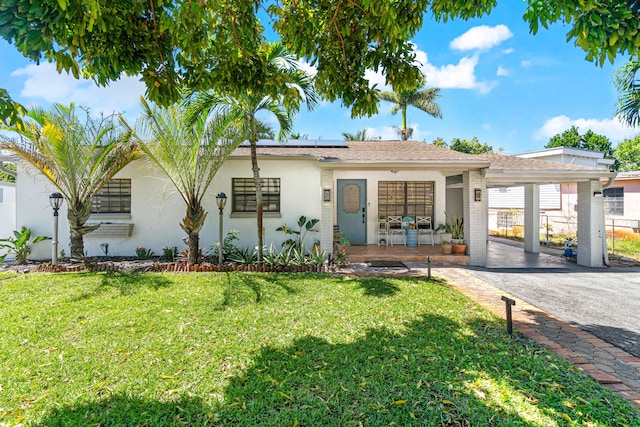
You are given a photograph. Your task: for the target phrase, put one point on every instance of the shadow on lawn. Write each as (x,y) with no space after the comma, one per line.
(254,288)
(122,410)
(245,288)
(431,372)
(435,373)
(126,283)
(378,287)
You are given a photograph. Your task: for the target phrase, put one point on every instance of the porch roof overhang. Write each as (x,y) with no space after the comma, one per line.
(441,165)
(511,177)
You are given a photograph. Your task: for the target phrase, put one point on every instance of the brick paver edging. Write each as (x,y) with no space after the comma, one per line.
(612,367)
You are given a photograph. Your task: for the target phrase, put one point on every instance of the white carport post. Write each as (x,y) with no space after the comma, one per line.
(590,223)
(532,218)
(476,221)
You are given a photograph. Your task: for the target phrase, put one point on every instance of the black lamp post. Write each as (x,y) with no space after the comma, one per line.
(221,200)
(55,200)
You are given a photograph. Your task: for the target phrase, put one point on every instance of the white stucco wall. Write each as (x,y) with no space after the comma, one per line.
(7,210)
(156,209)
(374,176)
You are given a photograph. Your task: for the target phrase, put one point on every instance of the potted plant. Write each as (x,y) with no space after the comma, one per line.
(447,247)
(457,234)
(444,231)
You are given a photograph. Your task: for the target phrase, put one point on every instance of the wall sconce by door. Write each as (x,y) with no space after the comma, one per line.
(478,195)
(326,195)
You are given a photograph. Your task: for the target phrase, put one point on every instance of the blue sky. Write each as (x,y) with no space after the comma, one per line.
(499,83)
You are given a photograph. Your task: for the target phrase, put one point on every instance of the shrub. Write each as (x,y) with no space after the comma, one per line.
(20,244)
(169,253)
(230,246)
(143,253)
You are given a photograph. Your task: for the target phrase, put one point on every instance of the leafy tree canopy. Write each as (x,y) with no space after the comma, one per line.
(628,154)
(202,45)
(472,146)
(588,141)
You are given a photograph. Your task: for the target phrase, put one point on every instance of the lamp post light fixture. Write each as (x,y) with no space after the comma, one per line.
(55,200)
(221,200)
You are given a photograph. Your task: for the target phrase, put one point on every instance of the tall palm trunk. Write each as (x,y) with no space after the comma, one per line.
(403,132)
(194,248)
(258,184)
(78,216)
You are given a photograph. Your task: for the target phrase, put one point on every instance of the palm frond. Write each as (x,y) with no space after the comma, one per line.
(627,84)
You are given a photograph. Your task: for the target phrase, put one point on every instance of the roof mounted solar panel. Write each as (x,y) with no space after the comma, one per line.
(302,143)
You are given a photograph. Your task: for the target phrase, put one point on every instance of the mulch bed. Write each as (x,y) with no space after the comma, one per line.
(133,266)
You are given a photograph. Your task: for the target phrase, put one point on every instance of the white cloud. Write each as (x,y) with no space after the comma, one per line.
(508,50)
(525,63)
(611,128)
(449,76)
(377,78)
(44,83)
(457,76)
(503,72)
(481,37)
(486,126)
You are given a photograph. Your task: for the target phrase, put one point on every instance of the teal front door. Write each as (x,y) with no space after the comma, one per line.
(352,212)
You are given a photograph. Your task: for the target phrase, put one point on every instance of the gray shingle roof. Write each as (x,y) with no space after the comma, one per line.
(410,151)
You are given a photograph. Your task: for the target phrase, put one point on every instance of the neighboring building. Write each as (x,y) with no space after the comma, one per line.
(558,202)
(7,203)
(7,209)
(345,185)
(622,201)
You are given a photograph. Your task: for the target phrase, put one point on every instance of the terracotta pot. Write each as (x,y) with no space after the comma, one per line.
(459,248)
(447,248)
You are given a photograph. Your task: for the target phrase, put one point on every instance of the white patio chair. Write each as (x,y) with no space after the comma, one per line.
(425,228)
(395,229)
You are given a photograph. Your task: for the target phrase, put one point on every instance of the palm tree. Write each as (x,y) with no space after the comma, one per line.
(189,153)
(422,99)
(78,158)
(294,87)
(627,84)
(360,135)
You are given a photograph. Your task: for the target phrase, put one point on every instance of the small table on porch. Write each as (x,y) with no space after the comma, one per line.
(412,237)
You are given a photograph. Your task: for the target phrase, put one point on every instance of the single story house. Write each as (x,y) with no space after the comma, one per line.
(347,185)
(7,209)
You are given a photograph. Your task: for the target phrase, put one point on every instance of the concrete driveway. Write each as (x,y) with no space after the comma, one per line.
(605,302)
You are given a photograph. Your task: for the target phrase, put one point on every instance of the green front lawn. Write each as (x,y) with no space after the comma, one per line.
(116,349)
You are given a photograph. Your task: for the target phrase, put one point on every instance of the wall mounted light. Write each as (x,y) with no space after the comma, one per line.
(478,195)
(597,194)
(326,195)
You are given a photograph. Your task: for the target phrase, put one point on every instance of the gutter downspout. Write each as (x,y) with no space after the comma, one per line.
(605,252)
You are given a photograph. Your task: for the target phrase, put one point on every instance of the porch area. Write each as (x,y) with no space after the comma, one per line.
(364,253)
